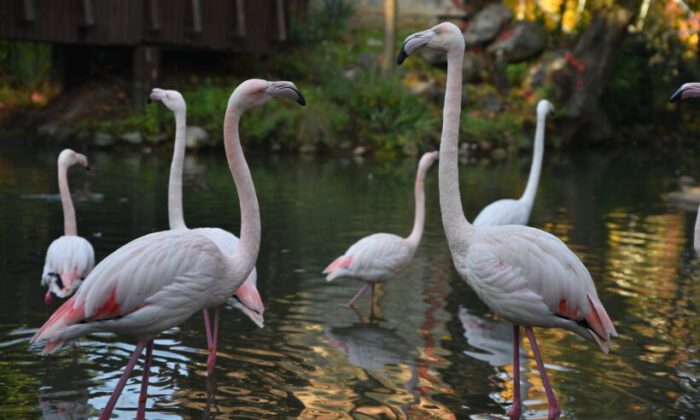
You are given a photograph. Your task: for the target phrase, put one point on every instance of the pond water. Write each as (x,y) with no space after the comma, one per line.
(431,348)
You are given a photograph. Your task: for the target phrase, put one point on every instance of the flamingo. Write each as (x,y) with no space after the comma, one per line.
(157,281)
(247,298)
(525,275)
(690,90)
(378,257)
(517,212)
(70,258)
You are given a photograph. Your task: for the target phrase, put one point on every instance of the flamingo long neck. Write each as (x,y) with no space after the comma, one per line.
(175,214)
(528,196)
(245,255)
(70,228)
(453,219)
(419,219)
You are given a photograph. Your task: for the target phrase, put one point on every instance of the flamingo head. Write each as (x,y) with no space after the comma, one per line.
(688,90)
(69,158)
(255,92)
(170,98)
(544,107)
(445,36)
(247,300)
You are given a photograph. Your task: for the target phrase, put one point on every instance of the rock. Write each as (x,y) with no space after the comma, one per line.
(157,138)
(307,148)
(518,43)
(359,151)
(133,137)
(103,139)
(196,137)
(499,154)
(54,131)
(367,59)
(275,147)
(475,68)
(345,145)
(486,24)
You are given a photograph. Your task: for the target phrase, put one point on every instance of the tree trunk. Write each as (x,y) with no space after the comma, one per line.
(594,55)
(390,18)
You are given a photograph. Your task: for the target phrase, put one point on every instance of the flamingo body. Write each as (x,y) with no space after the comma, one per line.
(530,277)
(374,258)
(69,260)
(503,212)
(153,283)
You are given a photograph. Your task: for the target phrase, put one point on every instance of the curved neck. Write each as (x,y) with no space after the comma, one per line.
(453,219)
(247,252)
(419,219)
(175,214)
(70,228)
(528,196)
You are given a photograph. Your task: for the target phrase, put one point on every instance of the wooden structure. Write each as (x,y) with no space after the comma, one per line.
(240,26)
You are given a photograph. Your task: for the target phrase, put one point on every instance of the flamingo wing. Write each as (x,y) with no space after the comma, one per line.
(530,277)
(372,258)
(503,212)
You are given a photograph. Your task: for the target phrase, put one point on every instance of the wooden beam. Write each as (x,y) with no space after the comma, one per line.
(197,16)
(88,13)
(153,15)
(281,21)
(28,11)
(241,30)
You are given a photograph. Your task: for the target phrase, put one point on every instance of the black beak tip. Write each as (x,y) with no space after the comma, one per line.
(300,100)
(677,96)
(148,100)
(87,168)
(402,56)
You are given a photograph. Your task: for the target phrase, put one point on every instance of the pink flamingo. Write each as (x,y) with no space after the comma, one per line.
(69,258)
(517,212)
(157,281)
(378,257)
(690,90)
(525,275)
(247,296)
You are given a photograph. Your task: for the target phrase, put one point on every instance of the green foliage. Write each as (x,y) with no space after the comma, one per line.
(24,64)
(324,22)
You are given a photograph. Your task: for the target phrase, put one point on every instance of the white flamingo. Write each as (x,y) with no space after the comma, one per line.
(690,90)
(378,257)
(517,212)
(525,275)
(69,258)
(157,281)
(247,297)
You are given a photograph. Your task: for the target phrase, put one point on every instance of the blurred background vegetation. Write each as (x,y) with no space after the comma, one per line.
(334,56)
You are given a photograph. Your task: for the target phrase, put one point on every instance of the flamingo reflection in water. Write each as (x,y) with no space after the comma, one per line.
(371,347)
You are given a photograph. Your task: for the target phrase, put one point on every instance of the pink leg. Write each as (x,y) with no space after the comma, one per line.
(207,327)
(358,294)
(141,413)
(554,410)
(107,412)
(515,409)
(211,360)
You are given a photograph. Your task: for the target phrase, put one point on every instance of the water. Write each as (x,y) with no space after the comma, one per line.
(432,350)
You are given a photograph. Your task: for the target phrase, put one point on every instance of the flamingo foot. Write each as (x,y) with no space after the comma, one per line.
(515,411)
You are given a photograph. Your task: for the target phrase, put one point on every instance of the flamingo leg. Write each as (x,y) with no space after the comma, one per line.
(211,360)
(207,327)
(554,410)
(141,413)
(515,409)
(358,294)
(107,412)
